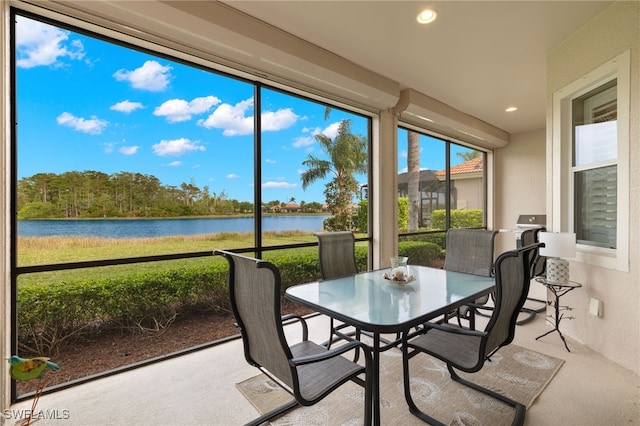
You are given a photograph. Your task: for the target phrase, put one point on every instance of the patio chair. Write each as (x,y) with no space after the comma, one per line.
(538,265)
(336,254)
(470,251)
(306,370)
(337,258)
(467,350)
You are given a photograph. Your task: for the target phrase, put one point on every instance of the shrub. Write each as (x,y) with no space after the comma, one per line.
(437,238)
(362,215)
(403,214)
(472,218)
(50,315)
(420,253)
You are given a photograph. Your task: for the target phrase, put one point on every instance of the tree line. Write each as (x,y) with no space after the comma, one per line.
(93,194)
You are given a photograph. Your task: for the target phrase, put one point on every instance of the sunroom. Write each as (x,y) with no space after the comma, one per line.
(239,57)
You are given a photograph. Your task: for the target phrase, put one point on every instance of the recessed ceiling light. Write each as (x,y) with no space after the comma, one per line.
(427,16)
(511,109)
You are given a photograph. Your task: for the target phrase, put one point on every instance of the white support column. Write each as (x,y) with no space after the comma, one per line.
(384,194)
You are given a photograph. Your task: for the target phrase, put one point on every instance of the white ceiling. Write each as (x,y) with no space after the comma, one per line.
(478,56)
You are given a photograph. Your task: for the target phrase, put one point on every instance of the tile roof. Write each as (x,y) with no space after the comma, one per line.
(471,166)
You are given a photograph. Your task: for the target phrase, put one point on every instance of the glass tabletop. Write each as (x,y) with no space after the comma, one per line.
(373,303)
(568,284)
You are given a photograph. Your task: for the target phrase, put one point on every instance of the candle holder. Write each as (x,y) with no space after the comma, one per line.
(399,270)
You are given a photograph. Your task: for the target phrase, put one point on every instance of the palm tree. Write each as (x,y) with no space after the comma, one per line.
(413,184)
(347,156)
(469,155)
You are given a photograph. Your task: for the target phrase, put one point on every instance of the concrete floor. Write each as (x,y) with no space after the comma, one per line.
(199,389)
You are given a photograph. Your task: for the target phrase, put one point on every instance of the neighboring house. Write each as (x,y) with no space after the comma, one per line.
(467,179)
(467,188)
(432,194)
(291,208)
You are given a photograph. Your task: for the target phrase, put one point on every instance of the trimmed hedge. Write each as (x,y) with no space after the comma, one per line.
(51,315)
(436,238)
(420,253)
(471,218)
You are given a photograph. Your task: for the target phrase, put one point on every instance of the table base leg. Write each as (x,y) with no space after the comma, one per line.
(561,336)
(376,379)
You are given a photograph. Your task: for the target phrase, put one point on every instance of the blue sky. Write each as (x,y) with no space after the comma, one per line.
(85,104)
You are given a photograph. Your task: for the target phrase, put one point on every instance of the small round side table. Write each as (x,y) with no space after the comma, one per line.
(558,290)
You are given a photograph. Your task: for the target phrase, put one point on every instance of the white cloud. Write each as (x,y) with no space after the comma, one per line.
(126,106)
(232,176)
(150,76)
(279,185)
(270,161)
(39,44)
(238,119)
(307,141)
(175,164)
(93,125)
(203,104)
(176,110)
(303,141)
(231,118)
(331,131)
(176,147)
(129,150)
(278,120)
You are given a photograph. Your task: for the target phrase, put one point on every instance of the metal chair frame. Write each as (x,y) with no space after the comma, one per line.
(470,251)
(306,370)
(336,258)
(466,349)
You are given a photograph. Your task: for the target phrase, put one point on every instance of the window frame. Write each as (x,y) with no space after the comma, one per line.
(448,142)
(582,167)
(145,44)
(109,35)
(562,182)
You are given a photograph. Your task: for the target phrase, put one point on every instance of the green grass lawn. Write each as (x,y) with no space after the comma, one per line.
(54,250)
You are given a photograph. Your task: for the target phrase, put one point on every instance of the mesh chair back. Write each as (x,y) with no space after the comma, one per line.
(254,289)
(470,251)
(538,263)
(512,286)
(336,254)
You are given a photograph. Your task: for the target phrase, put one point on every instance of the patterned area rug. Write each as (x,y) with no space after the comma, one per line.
(519,373)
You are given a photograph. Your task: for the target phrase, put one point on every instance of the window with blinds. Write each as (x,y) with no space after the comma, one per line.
(594,167)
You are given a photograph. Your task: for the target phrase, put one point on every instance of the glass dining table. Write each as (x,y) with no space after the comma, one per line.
(378,306)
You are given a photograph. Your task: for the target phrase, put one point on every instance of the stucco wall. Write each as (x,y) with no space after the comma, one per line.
(519,170)
(470,193)
(617,334)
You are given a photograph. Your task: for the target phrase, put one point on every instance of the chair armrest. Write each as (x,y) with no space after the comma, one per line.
(290,318)
(455,330)
(310,359)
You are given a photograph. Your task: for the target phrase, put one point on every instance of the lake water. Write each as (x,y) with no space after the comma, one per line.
(137,228)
